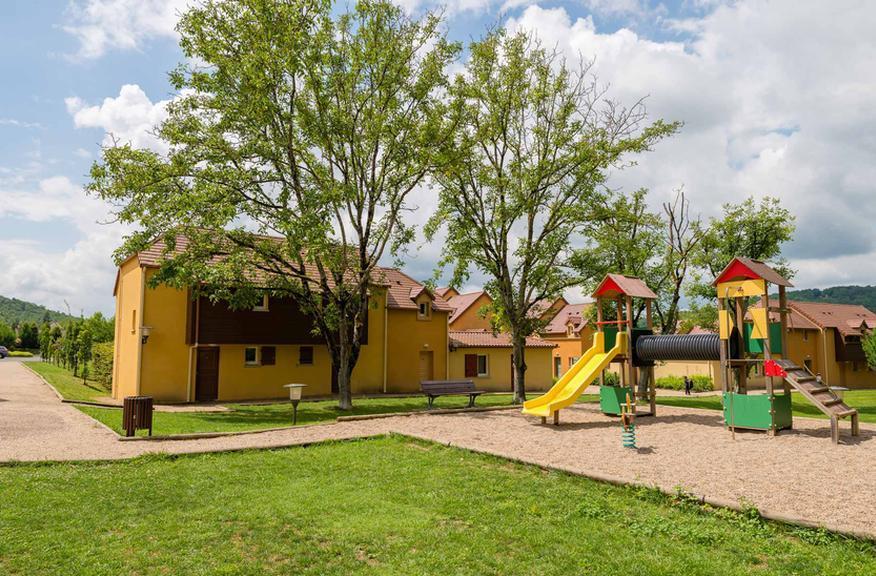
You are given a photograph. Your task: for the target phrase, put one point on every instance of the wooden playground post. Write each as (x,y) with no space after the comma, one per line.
(783,319)
(743,368)
(599,329)
(632,369)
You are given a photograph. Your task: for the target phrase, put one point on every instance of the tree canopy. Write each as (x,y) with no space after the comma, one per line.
(535,142)
(295,140)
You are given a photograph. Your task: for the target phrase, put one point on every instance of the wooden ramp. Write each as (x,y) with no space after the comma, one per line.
(821,396)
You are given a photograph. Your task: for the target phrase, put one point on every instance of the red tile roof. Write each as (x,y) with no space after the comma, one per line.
(570,313)
(462,302)
(700,330)
(487,339)
(848,319)
(401,293)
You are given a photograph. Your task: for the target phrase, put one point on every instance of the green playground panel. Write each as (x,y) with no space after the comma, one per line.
(758,411)
(611,398)
(755,346)
(610,336)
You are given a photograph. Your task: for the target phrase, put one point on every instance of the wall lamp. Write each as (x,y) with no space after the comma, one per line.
(145,332)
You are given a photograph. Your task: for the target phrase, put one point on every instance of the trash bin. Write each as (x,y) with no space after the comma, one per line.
(137,414)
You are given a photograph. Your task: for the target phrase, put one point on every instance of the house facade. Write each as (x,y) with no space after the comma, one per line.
(177,349)
(826,339)
(572,333)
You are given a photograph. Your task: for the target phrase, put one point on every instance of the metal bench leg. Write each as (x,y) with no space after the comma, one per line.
(431,399)
(471,400)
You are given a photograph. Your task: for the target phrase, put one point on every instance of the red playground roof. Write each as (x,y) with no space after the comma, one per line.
(614,285)
(747,269)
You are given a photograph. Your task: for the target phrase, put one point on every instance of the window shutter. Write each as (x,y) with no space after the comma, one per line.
(269,355)
(471,365)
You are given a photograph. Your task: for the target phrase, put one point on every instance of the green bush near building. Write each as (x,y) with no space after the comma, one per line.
(701,383)
(102,364)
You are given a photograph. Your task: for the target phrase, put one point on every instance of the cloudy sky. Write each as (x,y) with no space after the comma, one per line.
(776,98)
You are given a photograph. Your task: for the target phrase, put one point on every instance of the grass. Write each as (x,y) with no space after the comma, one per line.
(863,400)
(242,417)
(380,506)
(69,386)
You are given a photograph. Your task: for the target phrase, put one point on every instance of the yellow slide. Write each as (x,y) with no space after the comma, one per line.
(573,383)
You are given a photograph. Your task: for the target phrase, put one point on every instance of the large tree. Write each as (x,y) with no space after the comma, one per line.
(627,237)
(536,140)
(756,230)
(308,128)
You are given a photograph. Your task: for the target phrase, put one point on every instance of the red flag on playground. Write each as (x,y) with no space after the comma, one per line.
(772,368)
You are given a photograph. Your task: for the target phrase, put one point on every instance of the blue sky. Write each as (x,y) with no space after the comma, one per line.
(774,102)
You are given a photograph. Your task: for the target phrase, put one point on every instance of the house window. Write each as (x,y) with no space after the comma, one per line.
(134,322)
(483,366)
(269,355)
(424,311)
(558,365)
(569,330)
(305,355)
(251,357)
(572,360)
(263,307)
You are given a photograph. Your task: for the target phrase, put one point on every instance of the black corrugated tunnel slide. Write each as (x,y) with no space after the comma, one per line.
(682,347)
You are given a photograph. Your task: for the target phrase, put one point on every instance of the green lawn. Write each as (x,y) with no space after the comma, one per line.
(69,386)
(381,506)
(863,400)
(243,417)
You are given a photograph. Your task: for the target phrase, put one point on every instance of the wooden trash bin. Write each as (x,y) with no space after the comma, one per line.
(137,414)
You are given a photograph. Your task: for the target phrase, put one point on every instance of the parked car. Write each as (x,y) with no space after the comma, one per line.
(4,352)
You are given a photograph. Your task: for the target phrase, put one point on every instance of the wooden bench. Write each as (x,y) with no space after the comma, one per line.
(435,388)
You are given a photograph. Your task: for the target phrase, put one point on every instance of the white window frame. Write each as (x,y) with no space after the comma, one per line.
(254,362)
(486,371)
(264,306)
(428,310)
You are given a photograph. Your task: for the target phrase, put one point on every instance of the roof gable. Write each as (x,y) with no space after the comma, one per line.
(462,302)
(614,285)
(748,269)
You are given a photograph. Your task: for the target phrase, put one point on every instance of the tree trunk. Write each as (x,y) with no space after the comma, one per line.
(343,367)
(518,357)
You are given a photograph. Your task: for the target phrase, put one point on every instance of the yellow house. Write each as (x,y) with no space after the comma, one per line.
(572,333)
(467,309)
(485,357)
(178,349)
(826,339)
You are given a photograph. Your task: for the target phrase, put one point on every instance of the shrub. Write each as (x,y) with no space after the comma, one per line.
(20,354)
(102,364)
(701,383)
(612,378)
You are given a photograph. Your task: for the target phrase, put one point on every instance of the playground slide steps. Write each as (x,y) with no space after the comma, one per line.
(821,396)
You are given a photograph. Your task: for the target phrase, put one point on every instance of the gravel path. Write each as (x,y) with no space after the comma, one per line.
(798,473)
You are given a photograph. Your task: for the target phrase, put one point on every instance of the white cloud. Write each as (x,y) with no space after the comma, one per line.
(81,274)
(102,25)
(19,123)
(774,102)
(131,117)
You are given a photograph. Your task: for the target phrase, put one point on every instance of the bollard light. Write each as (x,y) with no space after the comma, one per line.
(295,391)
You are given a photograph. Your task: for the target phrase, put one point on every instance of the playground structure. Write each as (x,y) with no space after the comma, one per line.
(756,343)
(740,345)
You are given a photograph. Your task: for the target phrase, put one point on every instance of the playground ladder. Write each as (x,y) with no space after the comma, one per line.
(821,396)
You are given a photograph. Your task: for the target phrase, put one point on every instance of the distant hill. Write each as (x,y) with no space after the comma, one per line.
(13,309)
(863,295)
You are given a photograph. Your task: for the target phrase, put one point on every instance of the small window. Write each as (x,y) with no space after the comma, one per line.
(263,307)
(483,367)
(134,322)
(250,357)
(558,365)
(806,335)
(305,355)
(424,311)
(269,355)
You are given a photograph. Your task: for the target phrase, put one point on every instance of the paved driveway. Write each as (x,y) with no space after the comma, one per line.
(35,425)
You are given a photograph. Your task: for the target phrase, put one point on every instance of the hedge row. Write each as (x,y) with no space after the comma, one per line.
(701,383)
